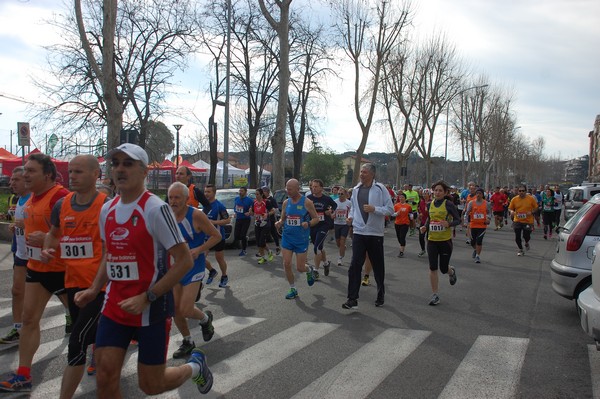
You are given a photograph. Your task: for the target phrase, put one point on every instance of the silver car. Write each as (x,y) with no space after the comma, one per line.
(227,197)
(589,301)
(577,196)
(571,267)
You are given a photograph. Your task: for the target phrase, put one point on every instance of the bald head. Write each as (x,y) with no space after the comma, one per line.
(87,160)
(292,187)
(84,170)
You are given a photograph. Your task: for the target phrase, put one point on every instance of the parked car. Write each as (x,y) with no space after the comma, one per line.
(227,197)
(589,301)
(281,195)
(571,267)
(577,196)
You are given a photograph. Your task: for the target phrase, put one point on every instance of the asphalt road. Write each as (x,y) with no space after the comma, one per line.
(500,332)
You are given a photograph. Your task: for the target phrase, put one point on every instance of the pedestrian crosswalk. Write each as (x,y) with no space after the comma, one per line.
(490,368)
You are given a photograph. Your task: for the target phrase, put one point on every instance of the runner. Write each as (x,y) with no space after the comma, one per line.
(219,217)
(548,212)
(442,216)
(140,233)
(43,279)
(466,197)
(559,202)
(298,214)
(521,209)
(536,214)
(498,200)
(19,250)
(272,218)
(478,217)
(200,235)
(403,217)
(423,216)
(261,226)
(74,230)
(412,199)
(196,195)
(325,208)
(241,208)
(341,227)
(371,203)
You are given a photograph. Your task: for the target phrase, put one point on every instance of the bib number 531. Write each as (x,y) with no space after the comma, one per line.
(123,271)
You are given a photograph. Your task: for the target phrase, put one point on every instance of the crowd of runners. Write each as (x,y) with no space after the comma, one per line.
(127,263)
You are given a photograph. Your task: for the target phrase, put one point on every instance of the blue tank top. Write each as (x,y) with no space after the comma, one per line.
(191,236)
(296,214)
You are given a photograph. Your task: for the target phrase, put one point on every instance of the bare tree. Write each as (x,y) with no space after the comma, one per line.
(310,65)
(368,36)
(282,28)
(149,41)
(254,74)
(106,73)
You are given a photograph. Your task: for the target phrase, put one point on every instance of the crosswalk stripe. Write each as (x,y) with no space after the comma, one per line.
(594,356)
(51,304)
(491,369)
(223,327)
(375,360)
(234,371)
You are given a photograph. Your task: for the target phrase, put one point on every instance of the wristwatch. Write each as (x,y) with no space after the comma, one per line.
(151,296)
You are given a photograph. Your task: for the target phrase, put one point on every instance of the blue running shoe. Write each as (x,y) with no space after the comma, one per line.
(310,278)
(204,380)
(16,383)
(242,253)
(211,276)
(224,282)
(292,293)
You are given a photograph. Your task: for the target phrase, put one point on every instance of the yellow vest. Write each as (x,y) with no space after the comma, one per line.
(437,232)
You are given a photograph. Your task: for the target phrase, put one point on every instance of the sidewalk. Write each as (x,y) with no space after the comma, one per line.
(6,258)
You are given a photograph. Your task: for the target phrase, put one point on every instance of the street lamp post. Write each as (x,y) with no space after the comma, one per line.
(177,127)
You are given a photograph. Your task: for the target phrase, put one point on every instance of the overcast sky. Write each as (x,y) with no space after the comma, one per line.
(546,52)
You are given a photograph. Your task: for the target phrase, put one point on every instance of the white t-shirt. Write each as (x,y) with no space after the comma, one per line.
(341,212)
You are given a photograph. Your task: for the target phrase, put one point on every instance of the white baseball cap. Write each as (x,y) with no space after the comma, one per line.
(135,152)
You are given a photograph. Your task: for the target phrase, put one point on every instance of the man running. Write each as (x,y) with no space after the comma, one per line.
(325,208)
(200,235)
(75,231)
(498,201)
(522,208)
(140,233)
(43,279)
(242,205)
(19,250)
(412,199)
(219,217)
(272,218)
(477,217)
(195,195)
(371,203)
(298,214)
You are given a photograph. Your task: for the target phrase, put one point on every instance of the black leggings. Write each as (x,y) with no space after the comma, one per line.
(241,231)
(401,230)
(526,229)
(261,235)
(85,322)
(273,231)
(439,253)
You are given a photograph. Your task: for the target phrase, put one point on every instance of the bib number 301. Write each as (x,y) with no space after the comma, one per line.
(123,271)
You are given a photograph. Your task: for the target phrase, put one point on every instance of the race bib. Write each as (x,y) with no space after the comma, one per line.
(436,226)
(239,209)
(293,221)
(547,207)
(340,215)
(19,231)
(34,253)
(321,216)
(79,250)
(122,271)
(478,216)
(521,215)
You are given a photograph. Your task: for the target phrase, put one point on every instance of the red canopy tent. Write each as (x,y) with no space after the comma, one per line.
(62,167)
(4,154)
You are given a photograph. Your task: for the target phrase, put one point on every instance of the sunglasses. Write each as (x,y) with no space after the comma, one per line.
(521,191)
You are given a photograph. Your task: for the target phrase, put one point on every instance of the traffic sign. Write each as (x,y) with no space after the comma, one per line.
(24,133)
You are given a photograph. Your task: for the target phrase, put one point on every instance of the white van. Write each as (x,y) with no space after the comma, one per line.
(579,195)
